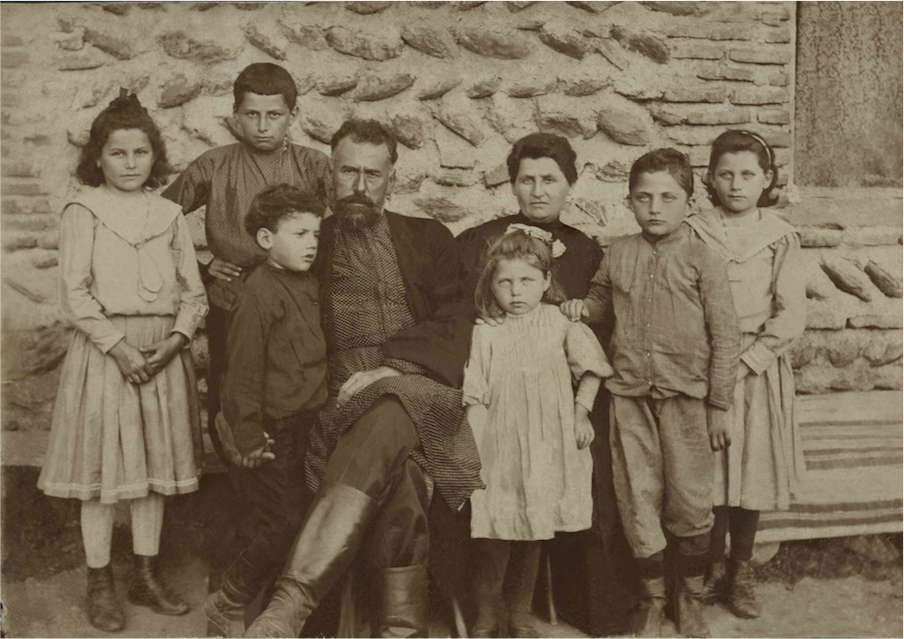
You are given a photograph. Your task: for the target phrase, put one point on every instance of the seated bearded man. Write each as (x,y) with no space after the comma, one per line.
(396,349)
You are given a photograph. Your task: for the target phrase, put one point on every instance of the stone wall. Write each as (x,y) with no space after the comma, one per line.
(457,82)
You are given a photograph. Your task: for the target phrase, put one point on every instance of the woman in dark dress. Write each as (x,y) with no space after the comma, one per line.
(592,582)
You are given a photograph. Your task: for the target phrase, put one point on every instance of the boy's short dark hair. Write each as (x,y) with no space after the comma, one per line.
(264,78)
(543,145)
(369,131)
(672,161)
(274,203)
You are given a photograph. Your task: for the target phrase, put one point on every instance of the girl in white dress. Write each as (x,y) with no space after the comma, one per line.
(532,429)
(125,424)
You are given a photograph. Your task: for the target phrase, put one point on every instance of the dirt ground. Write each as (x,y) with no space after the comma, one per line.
(847,587)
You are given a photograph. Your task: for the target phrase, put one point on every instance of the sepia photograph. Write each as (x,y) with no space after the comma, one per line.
(451,319)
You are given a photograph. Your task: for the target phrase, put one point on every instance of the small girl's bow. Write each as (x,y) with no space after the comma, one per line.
(539,234)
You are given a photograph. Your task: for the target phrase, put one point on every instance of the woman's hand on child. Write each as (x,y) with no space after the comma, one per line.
(361,380)
(258,456)
(223,270)
(160,353)
(717,424)
(499,320)
(575,310)
(583,429)
(132,364)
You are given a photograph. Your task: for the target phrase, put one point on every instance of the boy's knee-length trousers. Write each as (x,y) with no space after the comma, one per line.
(662,468)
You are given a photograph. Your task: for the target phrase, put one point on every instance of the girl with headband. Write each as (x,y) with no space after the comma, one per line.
(758,469)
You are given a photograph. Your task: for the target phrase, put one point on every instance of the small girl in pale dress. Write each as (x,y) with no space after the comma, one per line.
(759,469)
(125,424)
(532,429)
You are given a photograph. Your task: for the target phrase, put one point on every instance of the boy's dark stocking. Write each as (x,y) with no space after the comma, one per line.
(520,580)
(652,596)
(492,556)
(741,580)
(689,592)
(715,572)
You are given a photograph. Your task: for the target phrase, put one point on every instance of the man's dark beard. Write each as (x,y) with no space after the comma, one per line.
(356,212)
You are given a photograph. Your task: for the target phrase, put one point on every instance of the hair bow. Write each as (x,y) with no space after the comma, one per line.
(556,246)
(126,100)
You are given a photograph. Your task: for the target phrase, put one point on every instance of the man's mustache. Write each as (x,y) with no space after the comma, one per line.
(355,198)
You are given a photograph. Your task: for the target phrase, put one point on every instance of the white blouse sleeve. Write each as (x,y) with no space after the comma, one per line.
(77,304)
(193,299)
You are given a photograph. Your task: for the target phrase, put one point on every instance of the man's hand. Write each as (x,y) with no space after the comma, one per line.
(362,380)
(132,364)
(717,424)
(743,371)
(583,429)
(575,310)
(257,457)
(160,353)
(223,270)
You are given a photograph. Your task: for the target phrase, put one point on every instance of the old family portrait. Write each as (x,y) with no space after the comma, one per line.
(476,319)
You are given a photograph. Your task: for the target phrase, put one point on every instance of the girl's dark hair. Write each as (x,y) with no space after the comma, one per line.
(516,245)
(673,162)
(124,112)
(264,78)
(735,141)
(366,131)
(276,202)
(543,145)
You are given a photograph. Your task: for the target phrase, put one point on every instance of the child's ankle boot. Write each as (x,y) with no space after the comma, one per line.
(742,589)
(714,584)
(104,610)
(652,597)
(688,599)
(147,591)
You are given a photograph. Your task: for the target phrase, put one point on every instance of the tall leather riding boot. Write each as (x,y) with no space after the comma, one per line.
(652,596)
(325,548)
(492,556)
(104,610)
(689,595)
(403,602)
(520,581)
(147,591)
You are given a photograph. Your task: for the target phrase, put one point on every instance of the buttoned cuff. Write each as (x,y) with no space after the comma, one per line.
(757,357)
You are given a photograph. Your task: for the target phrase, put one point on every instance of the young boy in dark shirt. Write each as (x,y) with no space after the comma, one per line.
(275,381)
(224,180)
(675,353)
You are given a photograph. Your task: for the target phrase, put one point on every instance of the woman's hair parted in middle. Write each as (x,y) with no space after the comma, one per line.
(123,113)
(516,245)
(673,162)
(543,145)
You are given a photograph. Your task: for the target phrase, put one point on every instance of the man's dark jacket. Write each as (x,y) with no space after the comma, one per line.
(429,262)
